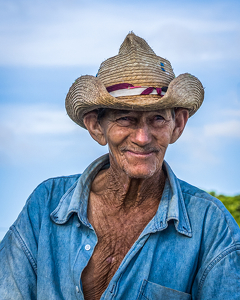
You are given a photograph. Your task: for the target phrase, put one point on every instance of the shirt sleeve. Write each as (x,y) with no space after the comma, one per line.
(18,250)
(221,279)
(17,274)
(218,265)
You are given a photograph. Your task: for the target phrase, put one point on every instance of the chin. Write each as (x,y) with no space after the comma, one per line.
(141,173)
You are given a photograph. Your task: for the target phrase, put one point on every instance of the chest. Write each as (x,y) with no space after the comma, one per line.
(117,230)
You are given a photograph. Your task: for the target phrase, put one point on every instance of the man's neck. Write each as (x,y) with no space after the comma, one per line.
(117,189)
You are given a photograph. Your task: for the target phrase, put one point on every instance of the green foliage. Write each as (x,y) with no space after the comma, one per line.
(232,204)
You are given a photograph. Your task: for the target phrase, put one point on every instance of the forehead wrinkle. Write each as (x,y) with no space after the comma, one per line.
(122,111)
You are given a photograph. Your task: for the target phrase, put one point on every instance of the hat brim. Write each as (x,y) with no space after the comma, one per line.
(88,93)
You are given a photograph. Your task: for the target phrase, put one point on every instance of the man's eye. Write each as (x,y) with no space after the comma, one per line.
(125,121)
(158,121)
(159,118)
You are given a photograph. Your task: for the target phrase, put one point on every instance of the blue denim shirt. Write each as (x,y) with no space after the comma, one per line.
(189,250)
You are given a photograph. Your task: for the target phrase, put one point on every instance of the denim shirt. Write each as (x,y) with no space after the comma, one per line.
(189,250)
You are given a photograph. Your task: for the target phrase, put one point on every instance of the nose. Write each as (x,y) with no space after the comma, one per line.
(142,135)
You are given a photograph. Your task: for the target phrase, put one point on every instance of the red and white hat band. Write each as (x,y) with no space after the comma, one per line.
(127,89)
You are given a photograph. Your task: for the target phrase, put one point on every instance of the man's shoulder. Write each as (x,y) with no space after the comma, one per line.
(51,191)
(200,198)
(191,190)
(210,210)
(44,199)
(63,182)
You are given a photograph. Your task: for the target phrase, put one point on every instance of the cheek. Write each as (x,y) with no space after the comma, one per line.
(166,138)
(163,138)
(116,136)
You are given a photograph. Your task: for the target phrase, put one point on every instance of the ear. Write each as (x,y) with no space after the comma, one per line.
(90,120)
(181,118)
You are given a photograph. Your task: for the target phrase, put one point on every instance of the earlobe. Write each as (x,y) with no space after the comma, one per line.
(94,128)
(181,118)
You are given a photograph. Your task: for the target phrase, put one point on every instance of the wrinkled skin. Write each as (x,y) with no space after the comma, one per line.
(125,197)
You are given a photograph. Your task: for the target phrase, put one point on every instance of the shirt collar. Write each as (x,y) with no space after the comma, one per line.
(75,200)
(171,207)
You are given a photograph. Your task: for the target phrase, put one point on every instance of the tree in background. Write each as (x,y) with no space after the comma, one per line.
(231,203)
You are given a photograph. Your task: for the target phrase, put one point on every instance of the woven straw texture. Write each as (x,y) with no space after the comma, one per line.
(136,64)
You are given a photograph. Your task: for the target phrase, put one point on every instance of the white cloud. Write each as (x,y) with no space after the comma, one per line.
(87,33)
(227,129)
(35,120)
(40,134)
(197,147)
(29,130)
(229,113)
(206,144)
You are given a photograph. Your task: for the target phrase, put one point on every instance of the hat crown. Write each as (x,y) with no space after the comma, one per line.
(133,42)
(137,64)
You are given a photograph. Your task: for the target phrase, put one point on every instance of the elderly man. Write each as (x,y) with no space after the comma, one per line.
(127,228)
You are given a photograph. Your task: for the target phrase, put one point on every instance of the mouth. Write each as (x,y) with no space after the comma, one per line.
(140,154)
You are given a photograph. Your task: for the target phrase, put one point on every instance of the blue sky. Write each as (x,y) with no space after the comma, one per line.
(46,45)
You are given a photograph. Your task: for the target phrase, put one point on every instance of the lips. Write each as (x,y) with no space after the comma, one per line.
(140,154)
(139,150)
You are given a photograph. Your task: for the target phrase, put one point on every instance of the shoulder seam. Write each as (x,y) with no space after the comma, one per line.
(25,249)
(219,208)
(214,262)
(2,246)
(60,177)
(43,183)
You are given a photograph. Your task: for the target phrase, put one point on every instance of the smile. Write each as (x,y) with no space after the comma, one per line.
(140,154)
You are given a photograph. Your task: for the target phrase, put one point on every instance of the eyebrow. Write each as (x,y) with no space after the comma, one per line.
(121,112)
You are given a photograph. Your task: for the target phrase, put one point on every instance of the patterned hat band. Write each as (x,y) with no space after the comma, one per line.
(127,89)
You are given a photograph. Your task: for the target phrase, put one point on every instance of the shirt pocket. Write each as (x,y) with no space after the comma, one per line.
(153,291)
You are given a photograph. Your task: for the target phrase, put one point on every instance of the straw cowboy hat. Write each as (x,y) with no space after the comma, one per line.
(135,79)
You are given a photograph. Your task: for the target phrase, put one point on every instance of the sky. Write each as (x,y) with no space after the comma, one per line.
(46,45)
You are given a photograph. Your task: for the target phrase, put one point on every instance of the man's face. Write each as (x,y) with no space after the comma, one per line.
(138,140)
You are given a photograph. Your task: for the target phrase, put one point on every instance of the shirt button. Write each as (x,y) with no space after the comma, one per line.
(87,247)
(77,289)
(78,224)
